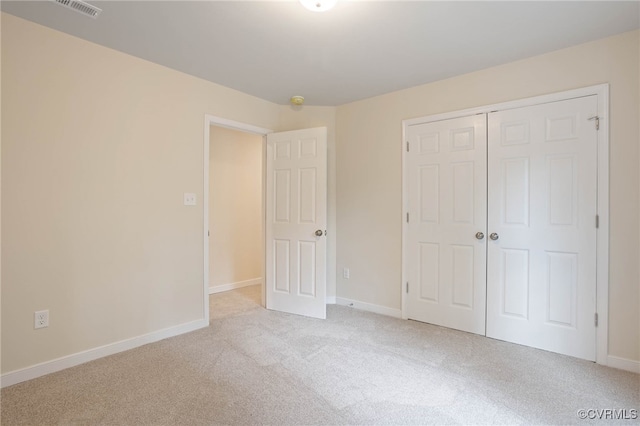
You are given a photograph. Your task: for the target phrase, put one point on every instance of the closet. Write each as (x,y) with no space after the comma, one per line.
(501,223)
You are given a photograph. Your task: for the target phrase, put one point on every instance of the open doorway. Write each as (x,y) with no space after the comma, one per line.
(233,194)
(236,225)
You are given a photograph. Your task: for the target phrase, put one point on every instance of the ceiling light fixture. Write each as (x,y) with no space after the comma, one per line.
(318,5)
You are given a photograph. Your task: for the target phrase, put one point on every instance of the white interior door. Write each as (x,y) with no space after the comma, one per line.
(445,260)
(542,177)
(296,222)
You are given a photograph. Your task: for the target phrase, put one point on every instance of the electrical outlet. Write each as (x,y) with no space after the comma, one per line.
(189,199)
(41,319)
(346,273)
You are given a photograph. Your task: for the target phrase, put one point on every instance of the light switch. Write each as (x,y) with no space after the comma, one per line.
(189,199)
(346,274)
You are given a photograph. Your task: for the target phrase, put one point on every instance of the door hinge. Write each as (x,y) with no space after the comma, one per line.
(597,221)
(208,233)
(407,217)
(595,319)
(407,287)
(597,120)
(407,146)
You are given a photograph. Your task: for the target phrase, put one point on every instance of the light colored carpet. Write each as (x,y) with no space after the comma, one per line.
(254,366)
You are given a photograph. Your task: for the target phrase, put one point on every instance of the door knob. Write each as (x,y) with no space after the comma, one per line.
(318,233)
(479,235)
(494,236)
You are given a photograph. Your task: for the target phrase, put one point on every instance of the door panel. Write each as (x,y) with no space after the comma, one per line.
(428,272)
(295,209)
(515,191)
(446,264)
(514,283)
(542,180)
(463,278)
(281,256)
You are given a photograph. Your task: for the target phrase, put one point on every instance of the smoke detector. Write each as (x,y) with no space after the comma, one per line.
(297,100)
(80,7)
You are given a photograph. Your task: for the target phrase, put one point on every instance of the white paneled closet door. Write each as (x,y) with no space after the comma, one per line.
(445,246)
(542,189)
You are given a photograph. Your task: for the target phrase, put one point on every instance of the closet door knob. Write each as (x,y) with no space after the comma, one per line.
(494,236)
(479,235)
(318,233)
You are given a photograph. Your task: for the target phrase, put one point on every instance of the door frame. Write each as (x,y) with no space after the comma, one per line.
(212,120)
(602,233)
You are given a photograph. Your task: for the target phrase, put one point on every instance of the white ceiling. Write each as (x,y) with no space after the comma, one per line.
(276,49)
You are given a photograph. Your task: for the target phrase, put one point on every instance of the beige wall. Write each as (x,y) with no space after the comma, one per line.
(98,149)
(369,172)
(235,206)
(0,190)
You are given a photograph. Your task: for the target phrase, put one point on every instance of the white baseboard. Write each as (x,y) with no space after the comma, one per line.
(330,300)
(623,364)
(232,286)
(48,367)
(382,310)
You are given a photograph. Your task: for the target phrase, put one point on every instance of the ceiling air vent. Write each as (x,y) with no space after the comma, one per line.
(80,7)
